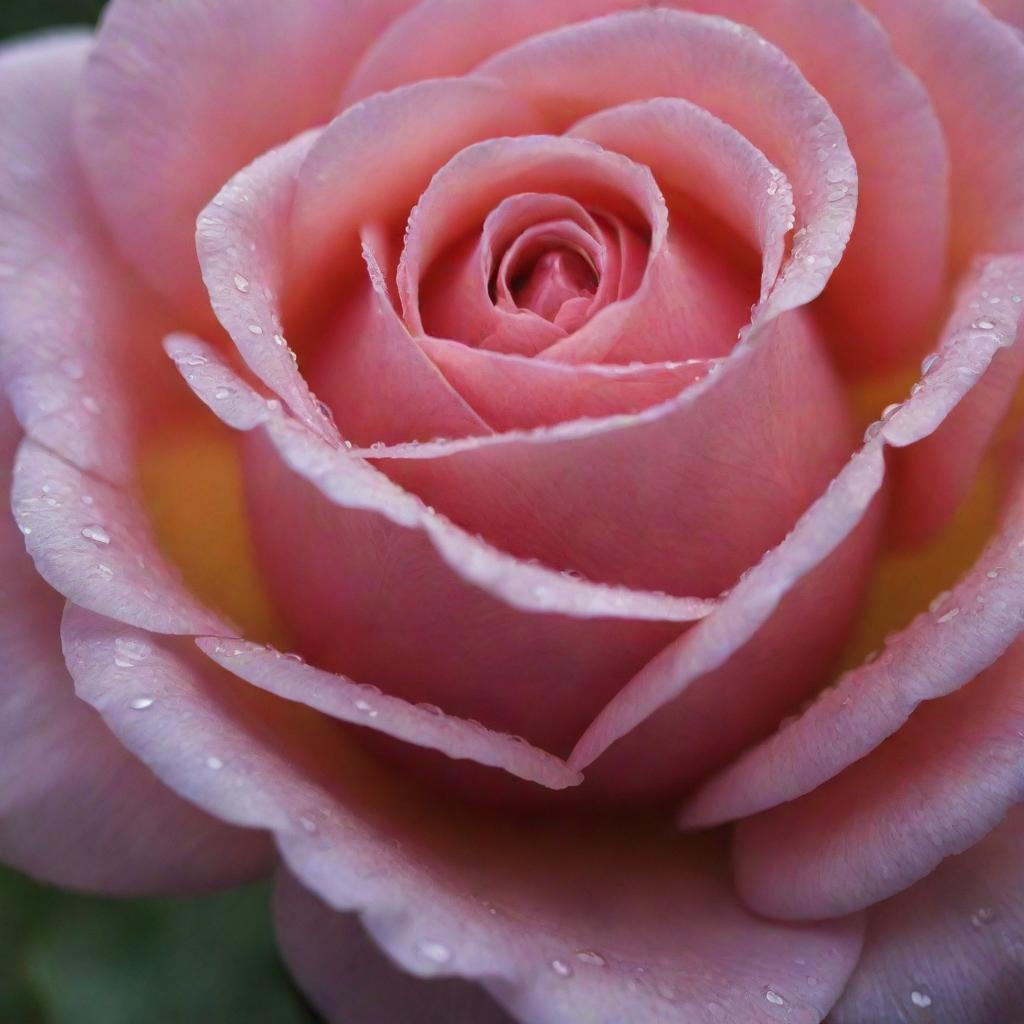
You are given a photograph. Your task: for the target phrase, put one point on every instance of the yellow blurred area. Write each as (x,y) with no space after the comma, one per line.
(191,480)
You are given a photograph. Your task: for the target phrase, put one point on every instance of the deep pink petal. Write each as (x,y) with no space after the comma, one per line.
(519,394)
(935,788)
(446,893)
(422,725)
(572,495)
(973,68)
(348,978)
(76,809)
(178,97)
(351,483)
(968,349)
(948,949)
(1011,11)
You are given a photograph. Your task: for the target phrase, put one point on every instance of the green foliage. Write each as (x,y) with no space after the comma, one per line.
(70,959)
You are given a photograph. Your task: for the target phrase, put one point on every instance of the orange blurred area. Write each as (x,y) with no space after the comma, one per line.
(191,481)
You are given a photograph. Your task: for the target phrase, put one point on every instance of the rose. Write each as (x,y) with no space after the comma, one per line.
(587,187)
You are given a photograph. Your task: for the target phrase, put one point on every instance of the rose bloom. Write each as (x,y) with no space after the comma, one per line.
(545,376)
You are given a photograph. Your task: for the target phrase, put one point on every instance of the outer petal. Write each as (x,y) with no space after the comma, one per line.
(446,893)
(945,648)
(948,949)
(348,978)
(973,68)
(1011,11)
(76,809)
(179,96)
(937,787)
(969,347)
(74,326)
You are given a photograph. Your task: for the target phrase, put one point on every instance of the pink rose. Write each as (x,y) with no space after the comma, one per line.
(537,337)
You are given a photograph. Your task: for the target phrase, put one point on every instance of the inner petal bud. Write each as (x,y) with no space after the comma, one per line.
(559,276)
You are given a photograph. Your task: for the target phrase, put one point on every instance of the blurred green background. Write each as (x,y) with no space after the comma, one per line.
(71,959)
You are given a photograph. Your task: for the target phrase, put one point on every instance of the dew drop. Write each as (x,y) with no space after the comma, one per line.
(366,708)
(255,329)
(929,363)
(591,956)
(241,283)
(436,952)
(983,916)
(984,324)
(279,340)
(993,574)
(949,616)
(221,393)
(214,763)
(921,999)
(96,534)
(141,703)
(561,968)
(308,823)
(91,405)
(774,998)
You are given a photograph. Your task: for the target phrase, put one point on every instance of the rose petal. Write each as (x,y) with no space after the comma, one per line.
(949,945)
(718,66)
(349,482)
(74,325)
(968,348)
(935,788)
(447,893)
(76,809)
(939,652)
(898,251)
(93,542)
(347,977)
(973,68)
(1011,11)
(366,706)
(241,79)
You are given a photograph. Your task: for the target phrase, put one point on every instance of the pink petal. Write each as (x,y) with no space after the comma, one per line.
(366,706)
(968,348)
(948,948)
(75,808)
(572,495)
(935,788)
(973,68)
(898,252)
(351,483)
(519,394)
(661,52)
(448,893)
(269,241)
(449,37)
(348,978)
(368,351)
(93,542)
(75,327)
(177,97)
(941,651)
(1011,11)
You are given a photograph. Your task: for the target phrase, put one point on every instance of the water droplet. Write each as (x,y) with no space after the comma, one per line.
(279,340)
(561,968)
(929,363)
(921,999)
(96,534)
(378,446)
(949,616)
(221,393)
(87,499)
(366,708)
(938,601)
(984,324)
(141,703)
(214,763)
(241,283)
(993,574)
(436,952)
(983,916)
(308,823)
(255,329)
(590,956)
(91,405)
(774,998)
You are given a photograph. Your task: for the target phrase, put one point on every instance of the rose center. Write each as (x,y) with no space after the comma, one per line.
(545,282)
